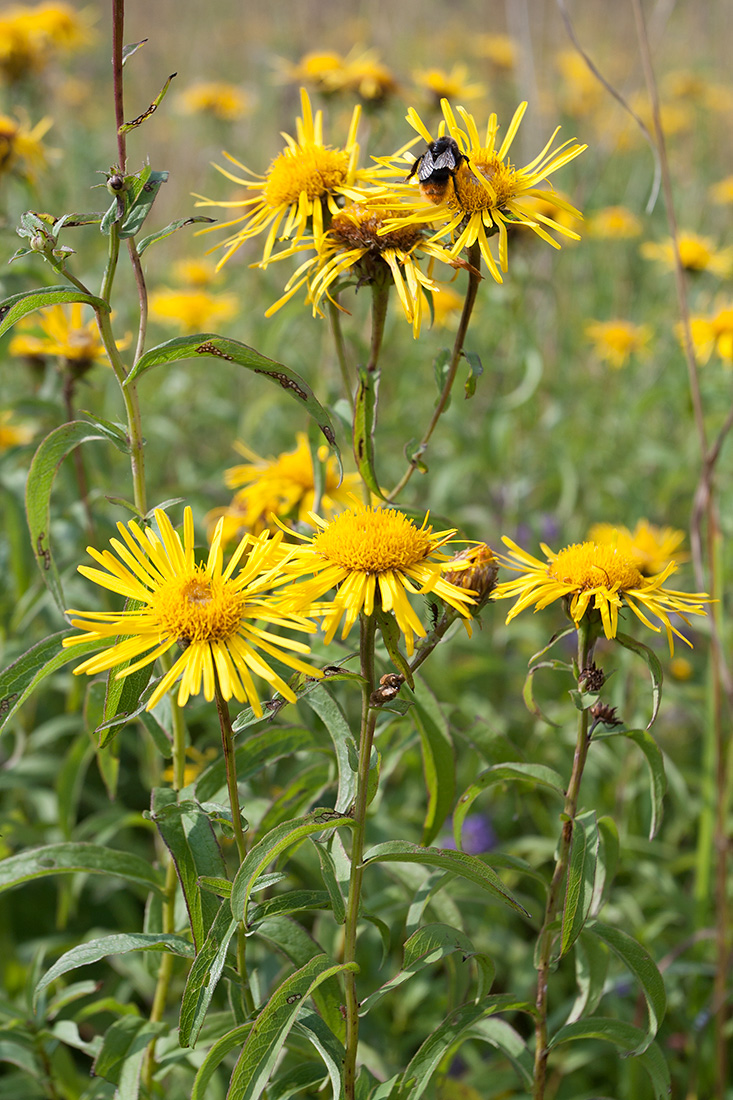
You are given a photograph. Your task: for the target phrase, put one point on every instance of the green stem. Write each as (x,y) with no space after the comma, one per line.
(381,286)
(366,737)
(338,338)
(227,741)
(556,894)
(474,278)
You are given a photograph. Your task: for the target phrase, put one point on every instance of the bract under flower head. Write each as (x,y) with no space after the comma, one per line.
(376,556)
(596,578)
(211,611)
(487,193)
(300,190)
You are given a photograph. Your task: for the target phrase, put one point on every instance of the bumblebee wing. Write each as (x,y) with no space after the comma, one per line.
(427,165)
(446,159)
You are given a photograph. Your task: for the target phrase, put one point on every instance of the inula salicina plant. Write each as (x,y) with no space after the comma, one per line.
(279,818)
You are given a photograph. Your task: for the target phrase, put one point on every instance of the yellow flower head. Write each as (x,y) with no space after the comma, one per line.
(486,193)
(616,341)
(300,189)
(651,547)
(613,223)
(442,84)
(696,254)
(65,336)
(193,310)
(376,556)
(282,487)
(12,434)
(722,191)
(582,92)
(216,98)
(499,49)
(360,240)
(21,147)
(29,36)
(712,334)
(210,611)
(320,68)
(596,578)
(196,272)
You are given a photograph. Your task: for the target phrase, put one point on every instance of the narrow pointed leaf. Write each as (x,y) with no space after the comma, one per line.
(204,976)
(537,774)
(329,711)
(581,878)
(318,1033)
(430,944)
(657,775)
(365,418)
(591,968)
(20,679)
(95,859)
(210,345)
(161,234)
(638,960)
(627,1038)
(457,863)
(439,762)
(18,305)
(655,670)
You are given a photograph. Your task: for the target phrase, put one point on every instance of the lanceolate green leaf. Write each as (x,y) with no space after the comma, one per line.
(161,234)
(210,345)
(591,968)
(87,953)
(316,1031)
(94,859)
(123,1048)
(655,762)
(229,1042)
(259,750)
(655,669)
(272,845)
(642,966)
(627,1038)
(264,1042)
(46,461)
(365,417)
(458,863)
(536,774)
(328,710)
(430,944)
(204,975)
(17,306)
(439,764)
(21,678)
(581,878)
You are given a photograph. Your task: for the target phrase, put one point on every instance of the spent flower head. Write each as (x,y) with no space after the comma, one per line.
(211,612)
(598,580)
(377,558)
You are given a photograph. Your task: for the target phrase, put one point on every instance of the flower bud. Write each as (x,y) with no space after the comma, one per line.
(475,568)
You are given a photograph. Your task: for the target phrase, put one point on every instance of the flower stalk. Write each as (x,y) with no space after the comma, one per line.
(366,737)
(556,894)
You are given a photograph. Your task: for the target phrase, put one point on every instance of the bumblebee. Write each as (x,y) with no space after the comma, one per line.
(436,168)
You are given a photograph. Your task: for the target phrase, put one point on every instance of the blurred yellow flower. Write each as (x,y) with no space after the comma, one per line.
(616,341)
(300,189)
(696,254)
(192,310)
(681,669)
(485,194)
(65,336)
(447,305)
(595,578)
(499,49)
(315,68)
(359,73)
(652,548)
(197,761)
(196,272)
(21,148)
(722,191)
(442,84)
(582,93)
(613,223)
(11,433)
(282,487)
(219,99)
(209,610)
(711,334)
(376,557)
(29,36)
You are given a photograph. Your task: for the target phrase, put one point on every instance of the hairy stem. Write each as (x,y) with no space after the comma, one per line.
(556,894)
(474,278)
(366,737)
(334,314)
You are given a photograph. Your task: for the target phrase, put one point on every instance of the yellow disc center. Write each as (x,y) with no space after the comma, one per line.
(373,541)
(197,608)
(589,565)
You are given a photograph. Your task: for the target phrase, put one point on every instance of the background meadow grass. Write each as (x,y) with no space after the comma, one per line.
(553,441)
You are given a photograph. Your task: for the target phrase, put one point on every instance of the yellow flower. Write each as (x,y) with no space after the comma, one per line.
(282,487)
(364,75)
(596,578)
(217,98)
(722,191)
(582,92)
(547,203)
(198,761)
(696,254)
(66,336)
(613,223)
(651,547)
(28,36)
(13,435)
(300,189)
(681,669)
(499,49)
(442,84)
(192,310)
(486,193)
(616,341)
(209,610)
(196,272)
(21,147)
(360,241)
(376,556)
(712,334)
